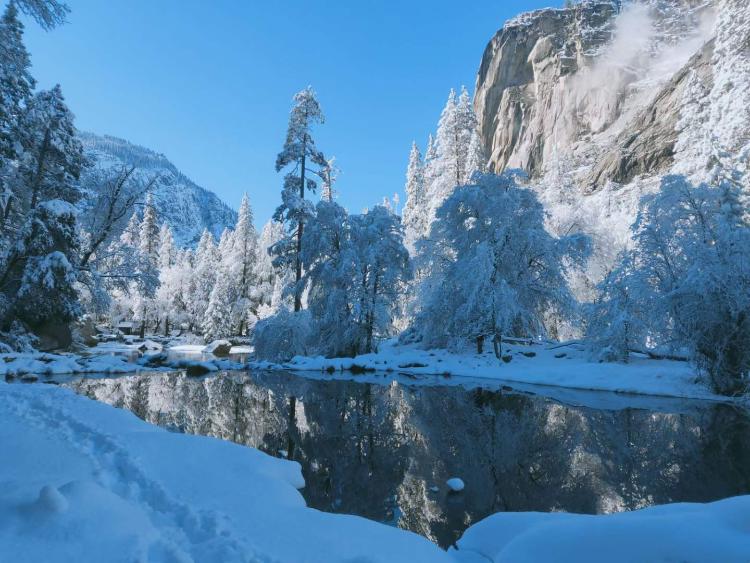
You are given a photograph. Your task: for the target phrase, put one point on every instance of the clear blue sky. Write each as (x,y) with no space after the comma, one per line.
(209,83)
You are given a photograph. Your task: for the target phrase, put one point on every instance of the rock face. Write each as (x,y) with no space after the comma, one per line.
(522,82)
(186,207)
(597,101)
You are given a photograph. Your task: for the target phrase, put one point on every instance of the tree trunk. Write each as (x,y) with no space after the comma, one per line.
(480,344)
(300,226)
(497,344)
(166,326)
(143,329)
(37,183)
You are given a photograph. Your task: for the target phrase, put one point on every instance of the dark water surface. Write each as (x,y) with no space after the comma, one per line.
(383,447)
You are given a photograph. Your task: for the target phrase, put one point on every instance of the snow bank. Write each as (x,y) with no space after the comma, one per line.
(675,532)
(88,482)
(559,365)
(105,359)
(19,364)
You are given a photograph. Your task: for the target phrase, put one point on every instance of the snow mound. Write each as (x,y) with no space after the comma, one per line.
(675,532)
(50,500)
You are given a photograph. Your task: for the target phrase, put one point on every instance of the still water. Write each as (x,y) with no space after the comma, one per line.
(382,446)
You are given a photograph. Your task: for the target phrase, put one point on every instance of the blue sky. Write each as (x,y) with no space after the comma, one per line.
(209,83)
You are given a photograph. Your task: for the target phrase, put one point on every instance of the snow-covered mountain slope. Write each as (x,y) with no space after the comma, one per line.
(186,207)
(599,100)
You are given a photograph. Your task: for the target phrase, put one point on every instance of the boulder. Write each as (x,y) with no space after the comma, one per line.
(218,348)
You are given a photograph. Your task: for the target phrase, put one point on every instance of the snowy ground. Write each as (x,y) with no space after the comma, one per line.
(540,364)
(552,365)
(82,481)
(718,531)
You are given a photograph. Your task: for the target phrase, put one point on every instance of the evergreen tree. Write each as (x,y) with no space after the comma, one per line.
(167,253)
(47,13)
(131,234)
(46,245)
(476,160)
(414,217)
(149,231)
(328,179)
(47,290)
(217,320)
(242,267)
(455,154)
(16,86)
(205,264)
(269,280)
(147,281)
(300,153)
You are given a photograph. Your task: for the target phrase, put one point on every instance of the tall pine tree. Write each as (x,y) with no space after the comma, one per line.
(303,158)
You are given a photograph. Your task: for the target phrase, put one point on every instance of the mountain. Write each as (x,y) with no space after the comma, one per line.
(186,207)
(599,100)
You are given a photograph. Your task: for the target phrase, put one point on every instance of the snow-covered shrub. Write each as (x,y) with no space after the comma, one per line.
(615,323)
(282,336)
(18,339)
(685,284)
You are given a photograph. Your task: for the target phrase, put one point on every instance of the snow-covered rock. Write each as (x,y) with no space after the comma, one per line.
(149,346)
(597,101)
(218,348)
(455,484)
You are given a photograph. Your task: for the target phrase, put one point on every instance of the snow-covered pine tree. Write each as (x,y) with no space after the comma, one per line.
(205,265)
(269,281)
(448,169)
(476,160)
(47,13)
(299,153)
(131,234)
(329,175)
(167,252)
(457,151)
(39,270)
(242,269)
(174,284)
(165,298)
(16,86)
(149,230)
(217,320)
(414,215)
(147,282)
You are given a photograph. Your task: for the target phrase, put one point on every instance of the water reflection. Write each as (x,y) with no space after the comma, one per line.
(384,451)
